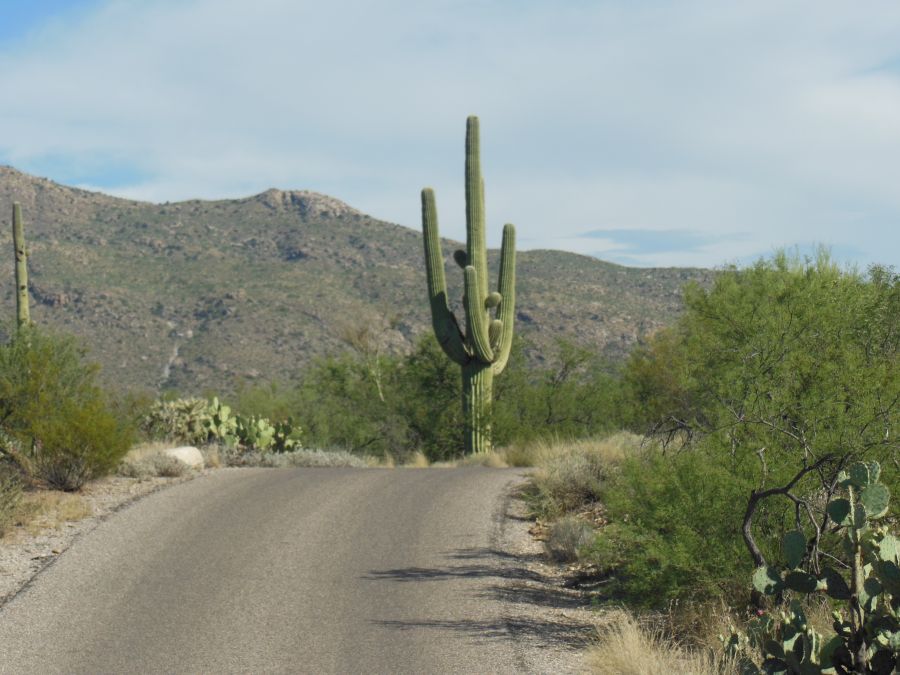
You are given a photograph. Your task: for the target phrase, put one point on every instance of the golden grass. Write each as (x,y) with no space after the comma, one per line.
(625,647)
(143,451)
(417,461)
(544,451)
(50,509)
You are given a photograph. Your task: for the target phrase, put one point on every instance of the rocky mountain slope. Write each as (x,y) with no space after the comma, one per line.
(200,295)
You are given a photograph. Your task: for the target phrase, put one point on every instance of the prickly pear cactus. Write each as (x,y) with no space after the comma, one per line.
(287,436)
(185,420)
(866,635)
(221,425)
(483,349)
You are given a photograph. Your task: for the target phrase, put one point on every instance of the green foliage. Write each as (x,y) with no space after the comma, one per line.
(576,394)
(866,635)
(184,420)
(339,407)
(221,425)
(59,426)
(198,421)
(674,530)
(411,402)
(775,378)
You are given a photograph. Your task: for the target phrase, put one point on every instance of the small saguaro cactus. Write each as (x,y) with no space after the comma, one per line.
(22,315)
(483,350)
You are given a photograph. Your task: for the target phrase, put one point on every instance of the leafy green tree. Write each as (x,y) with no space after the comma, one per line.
(781,374)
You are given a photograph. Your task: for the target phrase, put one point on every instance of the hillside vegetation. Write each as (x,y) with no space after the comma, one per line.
(203,295)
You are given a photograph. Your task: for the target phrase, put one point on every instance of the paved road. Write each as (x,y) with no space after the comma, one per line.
(275,571)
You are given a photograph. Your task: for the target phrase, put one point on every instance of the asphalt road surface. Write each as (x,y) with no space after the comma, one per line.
(284,571)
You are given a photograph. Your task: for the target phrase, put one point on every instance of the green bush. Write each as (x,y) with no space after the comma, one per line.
(777,377)
(59,425)
(674,528)
(411,403)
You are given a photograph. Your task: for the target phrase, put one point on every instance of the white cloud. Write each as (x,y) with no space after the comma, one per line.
(772,120)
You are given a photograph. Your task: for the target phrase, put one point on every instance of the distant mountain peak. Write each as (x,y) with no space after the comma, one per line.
(306,202)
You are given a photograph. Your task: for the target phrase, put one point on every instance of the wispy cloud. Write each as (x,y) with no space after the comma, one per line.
(746,126)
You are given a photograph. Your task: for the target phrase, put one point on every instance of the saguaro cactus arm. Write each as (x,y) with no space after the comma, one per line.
(476,248)
(446,327)
(506,312)
(22,313)
(476,317)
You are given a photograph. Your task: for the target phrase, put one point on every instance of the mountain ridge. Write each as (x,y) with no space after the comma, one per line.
(211,293)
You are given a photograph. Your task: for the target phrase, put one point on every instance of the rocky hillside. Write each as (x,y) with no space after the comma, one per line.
(200,295)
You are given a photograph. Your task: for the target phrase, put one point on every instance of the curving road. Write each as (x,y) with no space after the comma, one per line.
(292,570)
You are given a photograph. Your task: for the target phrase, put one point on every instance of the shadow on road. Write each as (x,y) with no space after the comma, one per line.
(575,635)
(516,588)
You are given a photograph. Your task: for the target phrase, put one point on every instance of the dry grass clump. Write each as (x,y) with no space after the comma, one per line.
(297,458)
(543,452)
(626,647)
(417,460)
(43,509)
(566,537)
(148,465)
(495,459)
(571,474)
(149,462)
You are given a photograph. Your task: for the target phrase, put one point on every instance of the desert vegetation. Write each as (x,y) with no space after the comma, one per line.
(735,470)
(769,412)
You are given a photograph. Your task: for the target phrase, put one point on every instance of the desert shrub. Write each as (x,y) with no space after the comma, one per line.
(575,393)
(59,425)
(572,475)
(296,458)
(151,466)
(169,467)
(338,405)
(773,380)
(10,496)
(75,443)
(566,538)
(403,404)
(674,528)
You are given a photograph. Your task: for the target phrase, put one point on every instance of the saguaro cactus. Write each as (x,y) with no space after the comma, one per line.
(483,349)
(22,313)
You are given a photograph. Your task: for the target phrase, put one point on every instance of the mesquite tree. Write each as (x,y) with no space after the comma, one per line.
(483,349)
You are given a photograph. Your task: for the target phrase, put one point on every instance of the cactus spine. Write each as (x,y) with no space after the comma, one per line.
(483,350)
(22,313)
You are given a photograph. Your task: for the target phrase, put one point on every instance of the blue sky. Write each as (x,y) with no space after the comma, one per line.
(647,133)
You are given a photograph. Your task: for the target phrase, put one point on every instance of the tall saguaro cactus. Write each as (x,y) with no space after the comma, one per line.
(22,313)
(483,349)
